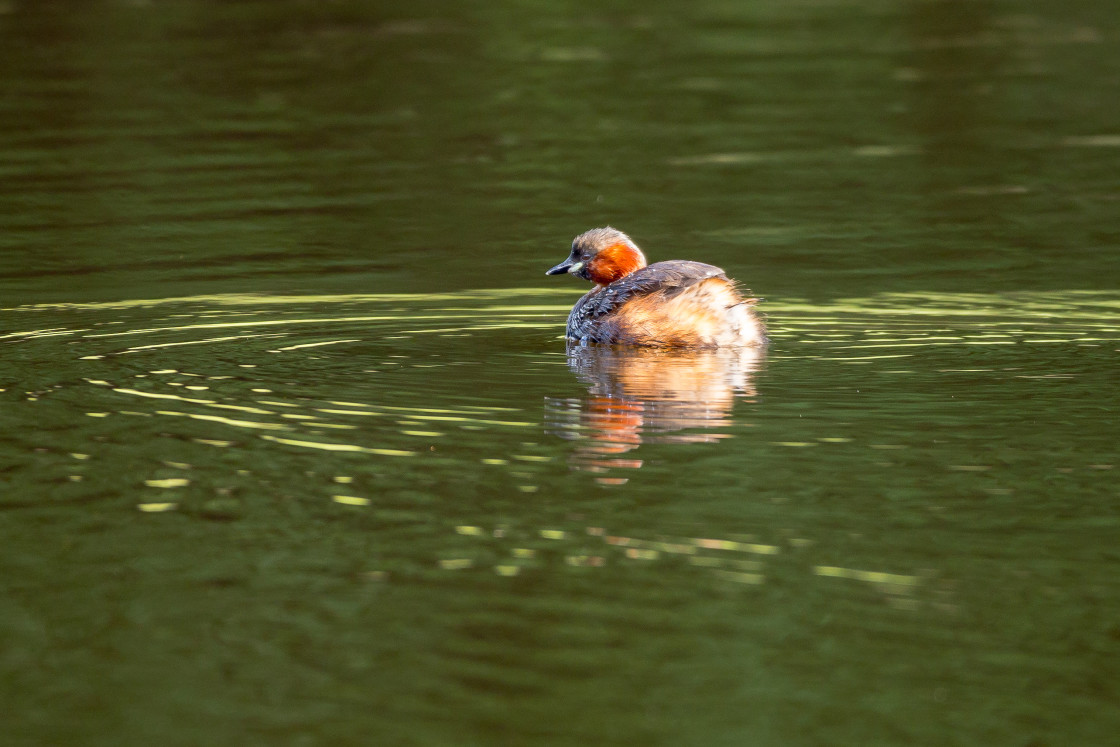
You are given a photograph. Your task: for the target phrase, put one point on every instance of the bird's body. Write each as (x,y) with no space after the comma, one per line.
(677,303)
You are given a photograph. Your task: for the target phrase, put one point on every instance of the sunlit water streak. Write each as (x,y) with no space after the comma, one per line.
(419,380)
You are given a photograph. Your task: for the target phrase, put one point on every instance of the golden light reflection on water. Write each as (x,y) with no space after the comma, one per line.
(324,446)
(998,312)
(255,299)
(901,321)
(739,560)
(255,379)
(305,324)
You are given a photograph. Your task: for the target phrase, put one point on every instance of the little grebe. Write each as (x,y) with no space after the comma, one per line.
(677,303)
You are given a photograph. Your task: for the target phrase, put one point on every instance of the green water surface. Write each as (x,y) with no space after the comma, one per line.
(292,451)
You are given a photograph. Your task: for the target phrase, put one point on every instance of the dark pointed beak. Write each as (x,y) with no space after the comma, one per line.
(561,268)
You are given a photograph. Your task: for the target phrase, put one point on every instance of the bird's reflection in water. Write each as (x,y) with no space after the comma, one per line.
(648,395)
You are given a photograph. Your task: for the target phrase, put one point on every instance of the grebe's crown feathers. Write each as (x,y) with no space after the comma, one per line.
(591,242)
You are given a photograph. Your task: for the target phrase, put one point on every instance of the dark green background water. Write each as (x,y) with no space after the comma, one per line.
(291,451)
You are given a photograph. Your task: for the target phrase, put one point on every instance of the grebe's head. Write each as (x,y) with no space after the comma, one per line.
(601,255)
